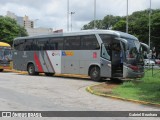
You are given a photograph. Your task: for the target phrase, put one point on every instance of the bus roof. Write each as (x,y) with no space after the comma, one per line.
(3,44)
(83,32)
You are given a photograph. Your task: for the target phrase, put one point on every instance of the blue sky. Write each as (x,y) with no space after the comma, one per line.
(53,13)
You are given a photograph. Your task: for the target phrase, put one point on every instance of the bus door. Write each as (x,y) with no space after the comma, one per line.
(118,56)
(105,60)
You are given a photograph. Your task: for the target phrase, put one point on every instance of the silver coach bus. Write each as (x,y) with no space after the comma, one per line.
(96,53)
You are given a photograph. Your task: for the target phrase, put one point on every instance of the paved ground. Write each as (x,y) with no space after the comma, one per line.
(24,92)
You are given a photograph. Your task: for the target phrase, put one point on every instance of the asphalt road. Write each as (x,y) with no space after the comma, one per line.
(41,93)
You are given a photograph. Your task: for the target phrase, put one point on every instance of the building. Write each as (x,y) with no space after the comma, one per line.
(39,31)
(58,31)
(17,18)
(11,15)
(29,25)
(22,21)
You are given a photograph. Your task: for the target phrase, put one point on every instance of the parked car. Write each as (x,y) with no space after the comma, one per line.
(157,61)
(149,62)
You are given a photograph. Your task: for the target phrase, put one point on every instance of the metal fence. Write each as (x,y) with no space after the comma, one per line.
(152,70)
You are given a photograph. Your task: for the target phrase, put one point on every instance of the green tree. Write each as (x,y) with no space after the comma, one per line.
(155,29)
(90,25)
(138,25)
(10,30)
(109,21)
(120,26)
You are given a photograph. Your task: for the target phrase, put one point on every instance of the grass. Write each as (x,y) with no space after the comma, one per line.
(147,89)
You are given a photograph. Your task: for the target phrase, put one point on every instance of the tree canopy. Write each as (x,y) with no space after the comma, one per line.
(10,30)
(138,25)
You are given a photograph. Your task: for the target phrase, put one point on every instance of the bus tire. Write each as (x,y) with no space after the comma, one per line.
(95,73)
(49,74)
(1,70)
(31,70)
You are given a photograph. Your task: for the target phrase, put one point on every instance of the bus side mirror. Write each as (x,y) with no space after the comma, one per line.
(145,46)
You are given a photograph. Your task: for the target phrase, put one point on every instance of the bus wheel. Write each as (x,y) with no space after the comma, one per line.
(49,74)
(95,74)
(1,70)
(31,69)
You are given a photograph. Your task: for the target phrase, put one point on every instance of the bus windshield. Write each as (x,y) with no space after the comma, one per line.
(1,55)
(134,46)
(5,54)
(134,55)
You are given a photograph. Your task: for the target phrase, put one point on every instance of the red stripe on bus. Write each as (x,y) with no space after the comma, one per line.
(50,62)
(38,63)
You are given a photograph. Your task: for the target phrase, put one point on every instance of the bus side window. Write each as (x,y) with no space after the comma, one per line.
(67,45)
(16,44)
(104,51)
(42,43)
(107,42)
(56,43)
(28,45)
(89,42)
(47,46)
(19,45)
(72,43)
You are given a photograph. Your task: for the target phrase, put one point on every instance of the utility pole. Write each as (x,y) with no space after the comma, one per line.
(94,14)
(149,41)
(71,19)
(127,19)
(67,15)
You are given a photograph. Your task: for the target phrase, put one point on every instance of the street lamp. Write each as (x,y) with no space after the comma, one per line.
(71,19)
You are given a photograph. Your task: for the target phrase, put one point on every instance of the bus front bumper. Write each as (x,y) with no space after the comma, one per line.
(129,73)
(5,66)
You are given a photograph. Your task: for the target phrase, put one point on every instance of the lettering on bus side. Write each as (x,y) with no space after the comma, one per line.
(55,54)
(67,53)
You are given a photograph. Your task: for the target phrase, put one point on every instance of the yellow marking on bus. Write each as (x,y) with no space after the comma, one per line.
(2,44)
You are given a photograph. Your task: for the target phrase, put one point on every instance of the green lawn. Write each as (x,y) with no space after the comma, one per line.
(146,89)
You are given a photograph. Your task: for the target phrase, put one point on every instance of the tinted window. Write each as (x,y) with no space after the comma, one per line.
(89,42)
(107,38)
(19,45)
(105,53)
(109,44)
(30,44)
(42,43)
(55,44)
(72,43)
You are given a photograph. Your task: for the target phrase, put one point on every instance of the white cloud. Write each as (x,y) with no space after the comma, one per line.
(53,13)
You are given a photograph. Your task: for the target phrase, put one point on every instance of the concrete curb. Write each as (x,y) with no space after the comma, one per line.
(56,75)
(90,90)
